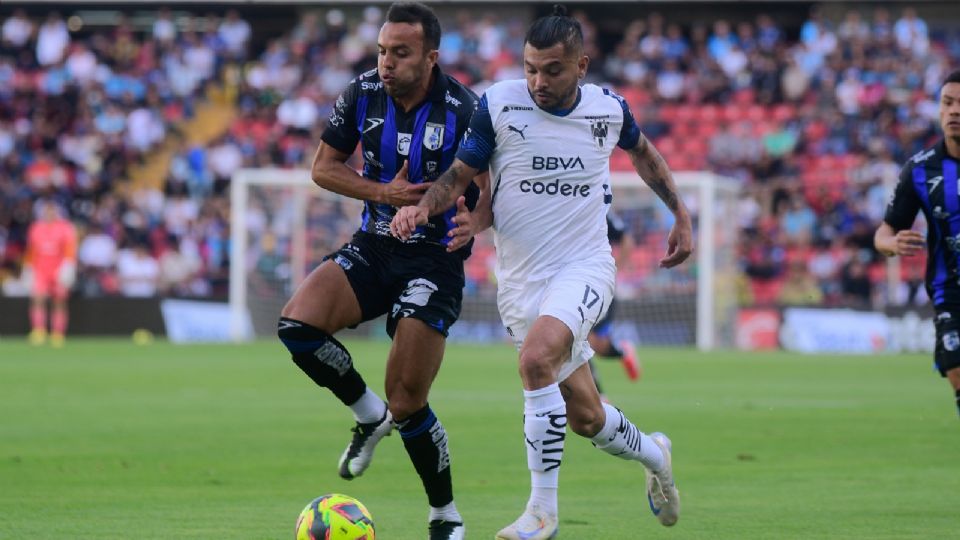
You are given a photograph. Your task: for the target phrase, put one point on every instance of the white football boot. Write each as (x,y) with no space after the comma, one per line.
(533,524)
(358,455)
(662,492)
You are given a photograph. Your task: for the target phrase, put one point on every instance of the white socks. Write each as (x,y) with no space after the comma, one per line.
(620,438)
(369,408)
(447,512)
(544,427)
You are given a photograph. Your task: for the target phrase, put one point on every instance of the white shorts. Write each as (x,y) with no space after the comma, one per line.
(578,294)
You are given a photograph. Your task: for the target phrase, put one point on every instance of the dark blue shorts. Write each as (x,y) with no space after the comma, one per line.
(390,277)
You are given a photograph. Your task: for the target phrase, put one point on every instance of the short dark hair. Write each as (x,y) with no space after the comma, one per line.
(952,78)
(417,13)
(556,28)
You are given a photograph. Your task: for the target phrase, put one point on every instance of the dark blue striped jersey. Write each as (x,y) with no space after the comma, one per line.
(928,183)
(428,136)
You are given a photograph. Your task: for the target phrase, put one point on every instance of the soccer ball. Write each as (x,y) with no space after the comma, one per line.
(335,517)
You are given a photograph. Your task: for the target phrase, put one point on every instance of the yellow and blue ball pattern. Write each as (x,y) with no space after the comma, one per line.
(335,517)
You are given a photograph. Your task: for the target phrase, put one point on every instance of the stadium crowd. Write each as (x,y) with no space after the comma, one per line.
(811,122)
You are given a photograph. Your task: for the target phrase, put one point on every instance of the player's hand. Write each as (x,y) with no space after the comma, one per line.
(679,242)
(406,221)
(67,274)
(466,226)
(909,242)
(400,192)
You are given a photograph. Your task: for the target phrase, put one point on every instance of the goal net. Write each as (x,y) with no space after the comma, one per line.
(282,225)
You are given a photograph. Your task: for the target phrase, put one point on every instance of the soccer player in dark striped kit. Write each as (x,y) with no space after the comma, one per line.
(928,184)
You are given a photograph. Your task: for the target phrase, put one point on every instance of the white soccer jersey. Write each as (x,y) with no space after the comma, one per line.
(550,174)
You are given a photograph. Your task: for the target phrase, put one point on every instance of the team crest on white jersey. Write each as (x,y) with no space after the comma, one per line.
(433,136)
(599,128)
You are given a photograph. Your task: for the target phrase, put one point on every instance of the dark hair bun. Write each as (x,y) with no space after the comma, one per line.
(559,10)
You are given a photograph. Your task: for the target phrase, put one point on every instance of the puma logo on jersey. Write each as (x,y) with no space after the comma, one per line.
(519,131)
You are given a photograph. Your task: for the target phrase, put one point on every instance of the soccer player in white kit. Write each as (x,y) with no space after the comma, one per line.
(547,142)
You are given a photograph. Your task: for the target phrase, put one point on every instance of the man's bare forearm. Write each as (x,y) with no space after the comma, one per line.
(330,172)
(343,180)
(655,172)
(445,190)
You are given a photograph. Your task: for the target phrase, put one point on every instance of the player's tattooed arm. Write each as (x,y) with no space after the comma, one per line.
(441,196)
(445,190)
(653,169)
(651,166)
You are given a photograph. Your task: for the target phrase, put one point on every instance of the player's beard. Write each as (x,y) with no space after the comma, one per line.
(556,100)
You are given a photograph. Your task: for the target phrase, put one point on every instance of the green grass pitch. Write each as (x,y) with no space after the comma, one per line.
(109,440)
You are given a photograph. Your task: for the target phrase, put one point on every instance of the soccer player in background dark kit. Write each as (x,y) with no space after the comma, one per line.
(408,117)
(928,184)
(600,338)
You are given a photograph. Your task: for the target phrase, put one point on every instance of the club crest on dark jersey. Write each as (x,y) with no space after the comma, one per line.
(433,136)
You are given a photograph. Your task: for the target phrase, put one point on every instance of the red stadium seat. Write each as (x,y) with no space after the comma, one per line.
(668,113)
(686,113)
(756,113)
(681,130)
(734,113)
(706,130)
(815,131)
(693,145)
(636,97)
(744,97)
(766,291)
(620,161)
(666,145)
(709,113)
(784,112)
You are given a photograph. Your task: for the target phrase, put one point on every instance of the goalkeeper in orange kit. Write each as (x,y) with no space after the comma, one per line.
(51,269)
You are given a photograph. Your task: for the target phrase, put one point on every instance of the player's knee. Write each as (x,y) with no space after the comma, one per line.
(309,345)
(585,422)
(536,366)
(404,399)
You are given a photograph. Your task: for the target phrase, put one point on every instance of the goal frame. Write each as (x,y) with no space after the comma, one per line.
(707,185)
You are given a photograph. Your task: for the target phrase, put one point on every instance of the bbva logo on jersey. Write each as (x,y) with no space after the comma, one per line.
(553,163)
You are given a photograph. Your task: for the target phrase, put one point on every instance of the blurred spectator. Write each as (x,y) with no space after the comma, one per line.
(164,29)
(235,33)
(16,30)
(911,33)
(856,285)
(800,288)
(52,40)
(97,258)
(137,271)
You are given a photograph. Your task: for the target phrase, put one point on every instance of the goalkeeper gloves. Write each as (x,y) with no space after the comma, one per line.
(67,274)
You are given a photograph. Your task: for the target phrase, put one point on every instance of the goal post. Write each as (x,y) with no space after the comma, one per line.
(694,304)
(282,225)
